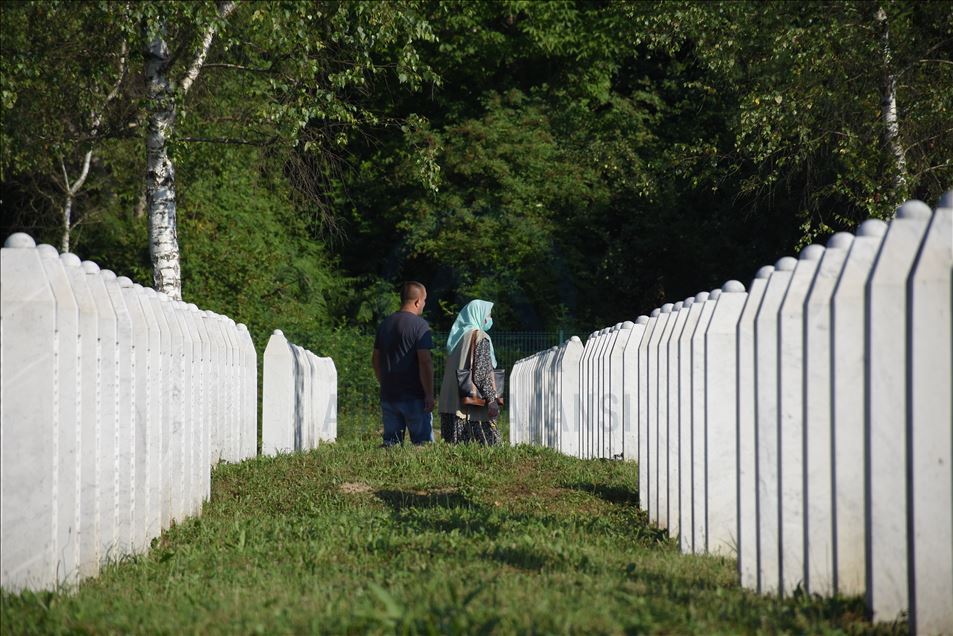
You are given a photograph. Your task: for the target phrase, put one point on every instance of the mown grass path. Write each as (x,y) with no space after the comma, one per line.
(354,538)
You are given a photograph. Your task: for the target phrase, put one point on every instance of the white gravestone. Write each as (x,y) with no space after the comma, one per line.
(766,425)
(125,430)
(206,389)
(791,418)
(189,416)
(332,417)
(747,448)
(172,442)
(513,399)
(552,424)
(106,450)
(644,354)
(218,397)
(886,411)
(301,380)
(250,396)
(27,417)
(630,382)
(848,364)
(929,426)
(153,440)
(88,384)
(818,475)
(163,395)
(569,396)
(67,442)
(139,422)
(225,397)
(686,522)
(614,438)
(277,409)
(201,472)
(586,401)
(661,419)
(721,420)
(674,421)
(231,412)
(708,301)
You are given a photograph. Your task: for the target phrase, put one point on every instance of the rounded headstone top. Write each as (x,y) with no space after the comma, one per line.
(19,240)
(677,306)
(164,297)
(667,308)
(70,260)
(811,253)
(241,325)
(47,251)
(946,200)
(732,287)
(108,274)
(914,210)
(688,302)
(278,332)
(575,339)
(628,324)
(124,281)
(701,297)
(786,264)
(604,331)
(874,228)
(656,312)
(90,267)
(193,307)
(149,292)
(765,272)
(840,241)
(138,287)
(715,294)
(642,320)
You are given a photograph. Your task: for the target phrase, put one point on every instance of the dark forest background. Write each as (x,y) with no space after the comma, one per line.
(577,163)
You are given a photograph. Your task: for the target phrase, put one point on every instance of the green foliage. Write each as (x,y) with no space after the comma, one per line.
(351,538)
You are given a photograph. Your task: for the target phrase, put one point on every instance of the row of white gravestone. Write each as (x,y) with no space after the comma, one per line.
(806,426)
(299,398)
(114,403)
(580,400)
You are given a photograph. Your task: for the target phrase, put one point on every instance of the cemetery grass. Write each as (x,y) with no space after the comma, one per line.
(443,539)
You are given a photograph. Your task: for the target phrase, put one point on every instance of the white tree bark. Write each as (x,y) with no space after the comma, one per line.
(888,109)
(96,122)
(160,172)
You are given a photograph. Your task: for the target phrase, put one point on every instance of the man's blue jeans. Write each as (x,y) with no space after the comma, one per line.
(407,414)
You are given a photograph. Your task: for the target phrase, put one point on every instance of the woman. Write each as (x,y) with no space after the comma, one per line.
(461,422)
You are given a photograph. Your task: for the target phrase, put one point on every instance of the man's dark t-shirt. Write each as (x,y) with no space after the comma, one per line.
(399,337)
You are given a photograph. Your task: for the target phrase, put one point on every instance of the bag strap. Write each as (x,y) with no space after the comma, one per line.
(473,339)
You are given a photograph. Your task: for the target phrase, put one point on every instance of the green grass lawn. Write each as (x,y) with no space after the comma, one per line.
(442,539)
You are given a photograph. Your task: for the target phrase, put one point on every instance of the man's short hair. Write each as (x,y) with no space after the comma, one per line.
(411,291)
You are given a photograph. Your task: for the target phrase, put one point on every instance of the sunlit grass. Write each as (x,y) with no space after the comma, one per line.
(443,539)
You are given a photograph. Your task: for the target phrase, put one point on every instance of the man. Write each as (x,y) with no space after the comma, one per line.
(404,369)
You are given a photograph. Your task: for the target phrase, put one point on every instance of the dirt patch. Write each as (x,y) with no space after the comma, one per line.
(354,488)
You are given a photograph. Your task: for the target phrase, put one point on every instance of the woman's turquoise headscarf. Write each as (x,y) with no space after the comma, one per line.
(472,316)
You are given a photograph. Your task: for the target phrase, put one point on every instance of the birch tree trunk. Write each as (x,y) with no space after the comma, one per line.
(888,109)
(160,173)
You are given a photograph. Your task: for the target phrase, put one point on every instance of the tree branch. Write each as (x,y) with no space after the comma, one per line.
(239,67)
(228,140)
(195,67)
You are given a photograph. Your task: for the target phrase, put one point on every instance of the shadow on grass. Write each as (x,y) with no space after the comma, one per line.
(401,500)
(612,494)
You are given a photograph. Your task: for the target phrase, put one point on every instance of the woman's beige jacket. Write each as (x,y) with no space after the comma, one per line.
(449,390)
